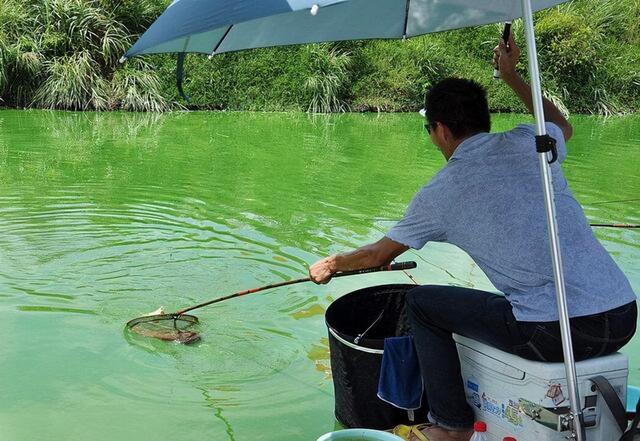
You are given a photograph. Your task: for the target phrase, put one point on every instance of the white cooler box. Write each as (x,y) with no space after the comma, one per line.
(528,399)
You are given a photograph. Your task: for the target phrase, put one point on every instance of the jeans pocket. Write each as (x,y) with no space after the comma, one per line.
(543,345)
(622,322)
(592,329)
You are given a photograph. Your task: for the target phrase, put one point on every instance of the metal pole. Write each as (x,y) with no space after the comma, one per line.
(556,258)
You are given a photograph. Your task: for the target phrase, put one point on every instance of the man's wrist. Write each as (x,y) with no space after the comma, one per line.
(332,263)
(510,77)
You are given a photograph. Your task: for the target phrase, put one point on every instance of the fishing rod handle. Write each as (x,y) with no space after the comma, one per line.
(505,38)
(392,267)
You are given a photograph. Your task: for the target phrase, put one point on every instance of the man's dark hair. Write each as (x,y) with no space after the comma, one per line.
(460,104)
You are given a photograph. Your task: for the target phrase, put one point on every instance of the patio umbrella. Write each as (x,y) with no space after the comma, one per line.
(218,26)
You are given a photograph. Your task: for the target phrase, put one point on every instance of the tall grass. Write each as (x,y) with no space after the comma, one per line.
(62,54)
(3,73)
(73,82)
(136,88)
(327,79)
(21,65)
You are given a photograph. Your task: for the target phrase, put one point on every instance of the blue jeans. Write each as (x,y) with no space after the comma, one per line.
(435,312)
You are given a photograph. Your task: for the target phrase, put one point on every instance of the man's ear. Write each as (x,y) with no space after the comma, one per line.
(446,132)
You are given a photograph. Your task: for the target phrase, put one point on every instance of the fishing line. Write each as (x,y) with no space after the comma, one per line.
(415,282)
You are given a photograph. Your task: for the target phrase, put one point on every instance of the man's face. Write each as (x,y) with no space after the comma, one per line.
(427,127)
(442,137)
(434,130)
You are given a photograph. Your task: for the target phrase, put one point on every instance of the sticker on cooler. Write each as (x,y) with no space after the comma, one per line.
(491,406)
(474,394)
(505,410)
(511,413)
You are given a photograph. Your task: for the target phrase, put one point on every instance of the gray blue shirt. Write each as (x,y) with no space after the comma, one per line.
(488,201)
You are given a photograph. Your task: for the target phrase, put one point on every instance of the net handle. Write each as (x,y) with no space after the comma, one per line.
(392,267)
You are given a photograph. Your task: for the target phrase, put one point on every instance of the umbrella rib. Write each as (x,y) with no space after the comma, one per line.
(213,52)
(186,44)
(180,69)
(406,20)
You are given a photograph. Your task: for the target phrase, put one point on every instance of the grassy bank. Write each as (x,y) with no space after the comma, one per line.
(63,54)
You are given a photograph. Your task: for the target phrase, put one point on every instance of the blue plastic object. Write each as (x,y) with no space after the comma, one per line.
(633,395)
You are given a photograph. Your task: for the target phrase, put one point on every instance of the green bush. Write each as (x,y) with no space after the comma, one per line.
(263,80)
(394,75)
(588,52)
(566,44)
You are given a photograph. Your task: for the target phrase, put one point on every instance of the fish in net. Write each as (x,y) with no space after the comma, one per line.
(168,327)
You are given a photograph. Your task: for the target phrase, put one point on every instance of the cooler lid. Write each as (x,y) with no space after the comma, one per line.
(546,371)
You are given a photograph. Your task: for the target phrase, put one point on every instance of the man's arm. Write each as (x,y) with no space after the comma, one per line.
(507,60)
(379,253)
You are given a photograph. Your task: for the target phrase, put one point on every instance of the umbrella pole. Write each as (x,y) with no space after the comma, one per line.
(552,225)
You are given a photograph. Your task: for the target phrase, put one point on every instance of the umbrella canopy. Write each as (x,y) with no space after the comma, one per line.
(217,26)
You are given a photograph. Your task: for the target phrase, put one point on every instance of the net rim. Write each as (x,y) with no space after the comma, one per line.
(192,319)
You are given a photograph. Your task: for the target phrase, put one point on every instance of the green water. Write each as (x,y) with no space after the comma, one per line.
(104,217)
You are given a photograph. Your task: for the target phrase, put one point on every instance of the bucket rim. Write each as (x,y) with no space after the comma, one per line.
(360,291)
(370,435)
(334,333)
(345,338)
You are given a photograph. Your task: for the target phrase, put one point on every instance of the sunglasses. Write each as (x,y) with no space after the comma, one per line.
(427,127)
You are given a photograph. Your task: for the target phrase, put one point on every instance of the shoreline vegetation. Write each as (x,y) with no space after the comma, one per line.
(63,54)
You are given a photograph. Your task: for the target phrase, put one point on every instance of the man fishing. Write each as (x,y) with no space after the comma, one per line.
(487,201)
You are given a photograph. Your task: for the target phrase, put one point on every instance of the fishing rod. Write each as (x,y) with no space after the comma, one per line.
(616,225)
(175,326)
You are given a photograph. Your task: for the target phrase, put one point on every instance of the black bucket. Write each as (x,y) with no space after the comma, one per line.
(356,358)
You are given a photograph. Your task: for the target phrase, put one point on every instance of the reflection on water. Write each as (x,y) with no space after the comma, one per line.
(319,354)
(218,406)
(54,309)
(312,310)
(104,217)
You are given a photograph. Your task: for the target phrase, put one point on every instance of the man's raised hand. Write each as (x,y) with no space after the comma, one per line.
(506,57)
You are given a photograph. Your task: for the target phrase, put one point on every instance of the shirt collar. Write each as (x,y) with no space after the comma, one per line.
(468,145)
